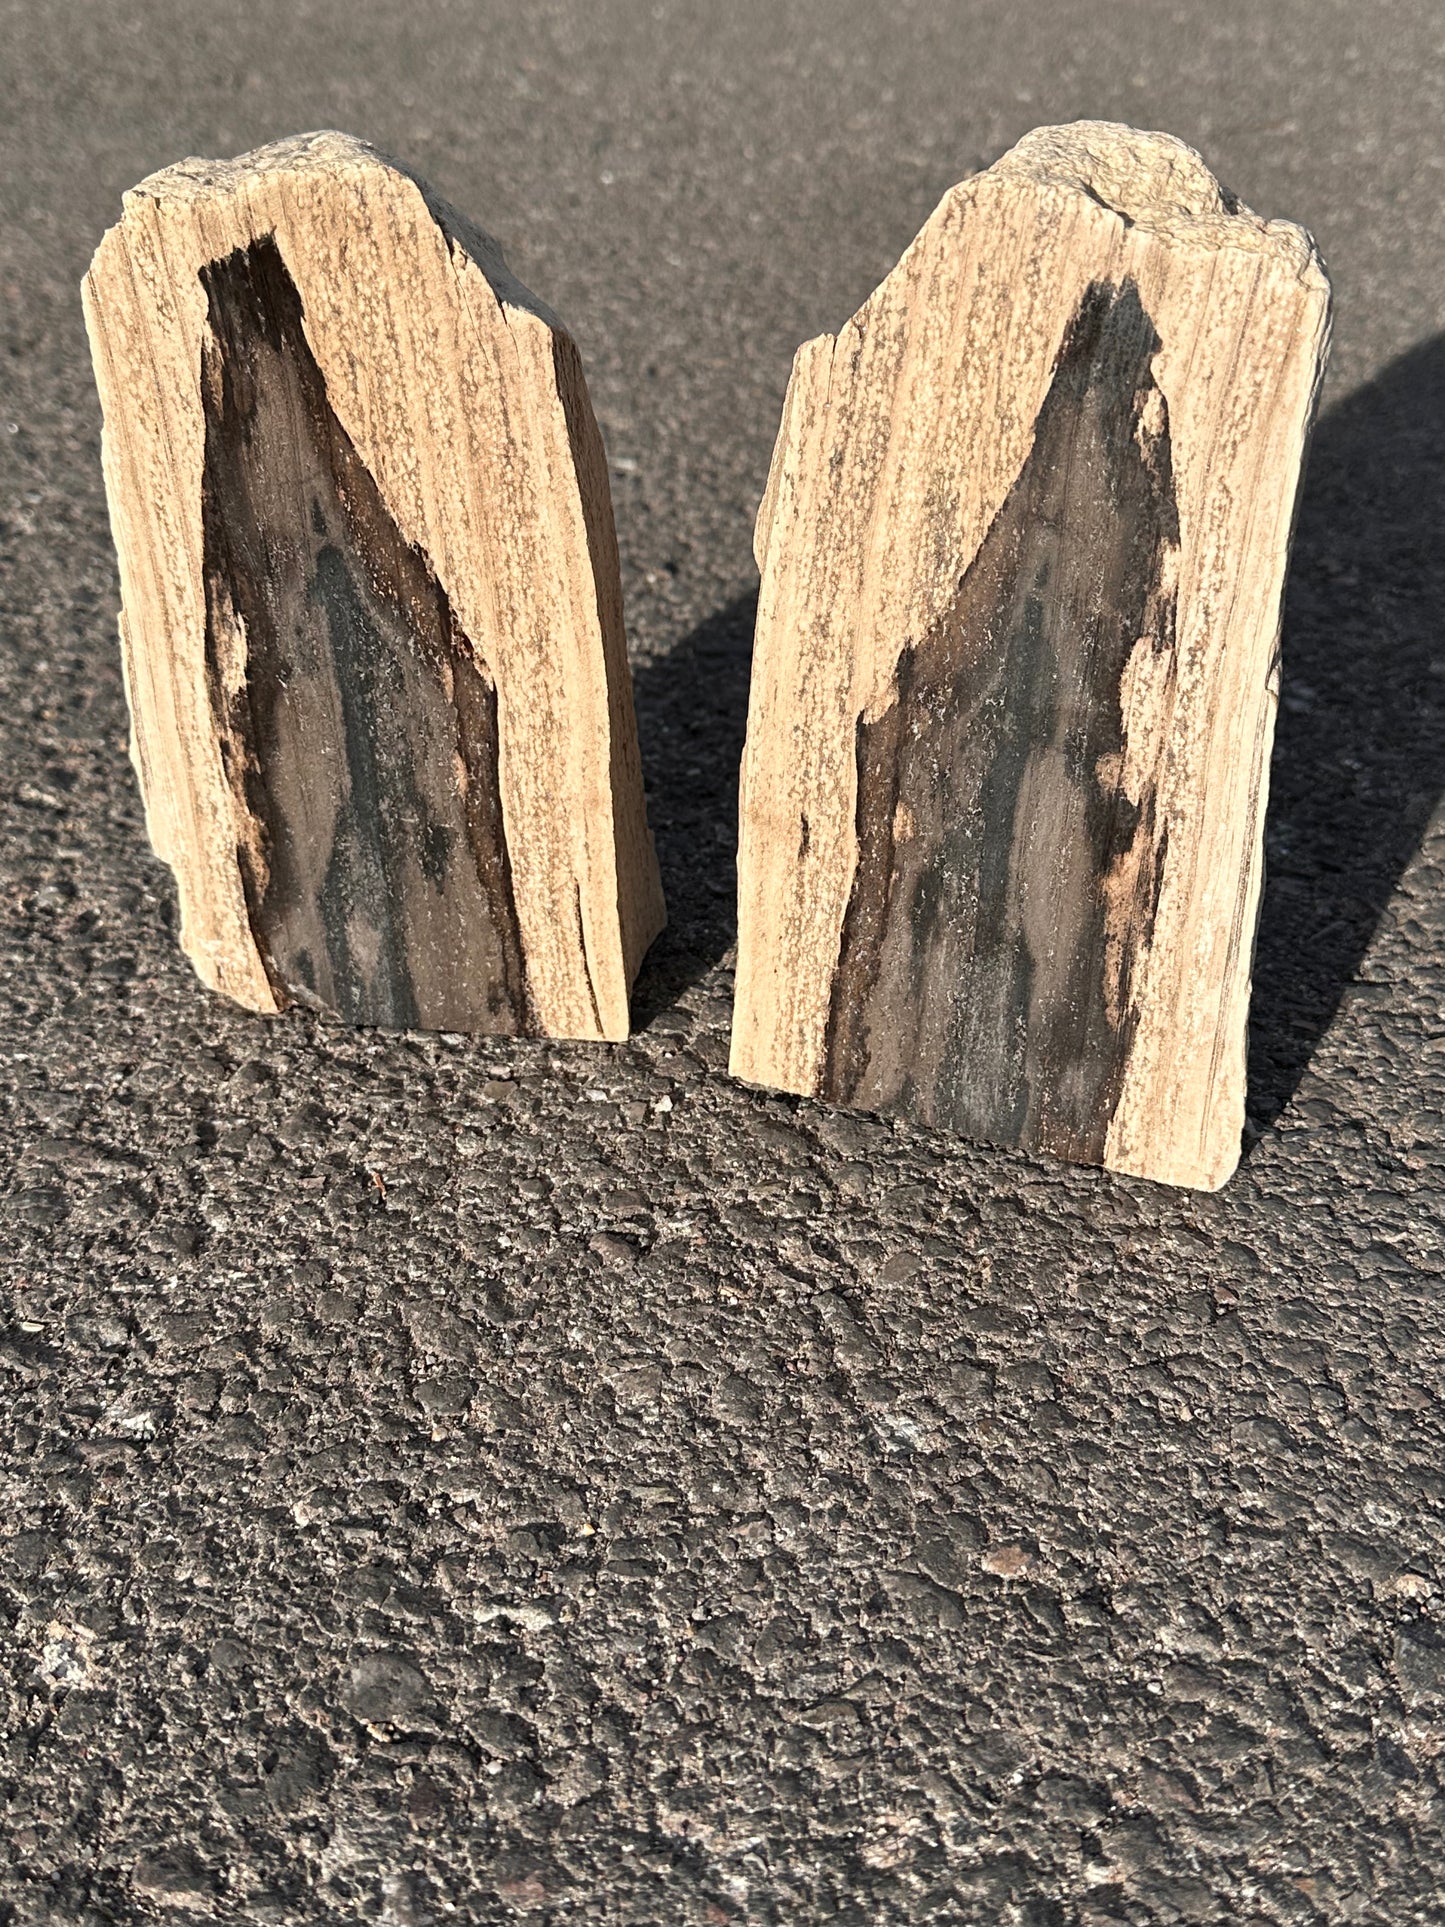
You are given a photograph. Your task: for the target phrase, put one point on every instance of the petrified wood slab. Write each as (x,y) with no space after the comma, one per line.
(1023,547)
(372,618)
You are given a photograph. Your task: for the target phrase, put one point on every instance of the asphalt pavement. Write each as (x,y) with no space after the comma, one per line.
(457,1481)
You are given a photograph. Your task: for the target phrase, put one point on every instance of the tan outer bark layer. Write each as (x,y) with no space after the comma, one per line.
(900,439)
(466,401)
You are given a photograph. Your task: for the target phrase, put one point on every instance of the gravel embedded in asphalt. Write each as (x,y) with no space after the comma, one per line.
(481,1481)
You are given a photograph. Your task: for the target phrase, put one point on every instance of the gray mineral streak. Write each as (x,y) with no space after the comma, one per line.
(448,1480)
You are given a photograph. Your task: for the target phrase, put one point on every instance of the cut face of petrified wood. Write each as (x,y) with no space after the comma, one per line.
(371,613)
(1006,879)
(354,722)
(1023,547)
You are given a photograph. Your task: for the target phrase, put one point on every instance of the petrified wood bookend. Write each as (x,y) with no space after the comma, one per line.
(372,617)
(1023,547)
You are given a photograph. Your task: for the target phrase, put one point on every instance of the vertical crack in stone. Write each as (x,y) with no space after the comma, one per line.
(1010,855)
(357,729)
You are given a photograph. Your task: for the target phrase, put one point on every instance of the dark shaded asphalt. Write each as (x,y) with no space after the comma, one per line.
(446,1481)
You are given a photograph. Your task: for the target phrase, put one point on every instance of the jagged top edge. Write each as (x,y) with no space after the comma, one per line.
(1152,181)
(197,178)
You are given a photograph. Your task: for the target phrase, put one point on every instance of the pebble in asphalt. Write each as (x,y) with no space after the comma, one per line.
(456,1481)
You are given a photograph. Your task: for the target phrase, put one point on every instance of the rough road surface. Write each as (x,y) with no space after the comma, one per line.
(456,1482)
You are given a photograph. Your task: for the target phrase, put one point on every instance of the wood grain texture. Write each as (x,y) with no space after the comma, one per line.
(1023,549)
(371,613)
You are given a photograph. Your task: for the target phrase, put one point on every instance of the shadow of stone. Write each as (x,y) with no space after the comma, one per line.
(692,707)
(1359,759)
